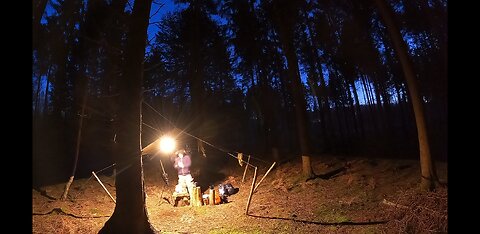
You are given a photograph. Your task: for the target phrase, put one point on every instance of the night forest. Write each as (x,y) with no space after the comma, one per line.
(276,79)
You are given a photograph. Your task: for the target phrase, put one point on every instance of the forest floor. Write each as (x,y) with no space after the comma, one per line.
(349,195)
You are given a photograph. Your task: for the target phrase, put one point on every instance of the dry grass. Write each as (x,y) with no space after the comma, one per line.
(419,212)
(283,203)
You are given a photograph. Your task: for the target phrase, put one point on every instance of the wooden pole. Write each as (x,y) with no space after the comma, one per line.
(211,196)
(164,175)
(251,190)
(161,164)
(271,167)
(103,186)
(196,199)
(245,172)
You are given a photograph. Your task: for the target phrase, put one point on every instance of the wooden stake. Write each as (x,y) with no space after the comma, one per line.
(245,172)
(251,190)
(196,199)
(211,196)
(103,186)
(271,167)
(161,164)
(164,175)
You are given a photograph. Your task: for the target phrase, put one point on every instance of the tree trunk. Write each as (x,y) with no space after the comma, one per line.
(341,134)
(426,163)
(285,25)
(37,98)
(38,10)
(320,90)
(60,87)
(402,112)
(113,66)
(387,109)
(130,215)
(80,58)
(77,147)
(196,77)
(45,101)
(285,92)
(300,108)
(351,110)
(358,110)
(113,37)
(325,110)
(380,112)
(369,107)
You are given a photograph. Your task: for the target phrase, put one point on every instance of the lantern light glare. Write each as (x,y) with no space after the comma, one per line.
(167,144)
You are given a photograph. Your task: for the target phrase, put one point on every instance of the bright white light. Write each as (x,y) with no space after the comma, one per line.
(167,144)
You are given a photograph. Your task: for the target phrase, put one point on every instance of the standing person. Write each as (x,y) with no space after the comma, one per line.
(182,163)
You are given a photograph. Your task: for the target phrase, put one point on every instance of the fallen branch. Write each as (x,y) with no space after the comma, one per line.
(388,203)
(328,175)
(347,223)
(60,211)
(44,193)
(417,212)
(407,207)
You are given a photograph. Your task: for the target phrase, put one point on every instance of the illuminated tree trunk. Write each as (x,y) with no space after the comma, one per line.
(300,109)
(426,163)
(130,215)
(285,28)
